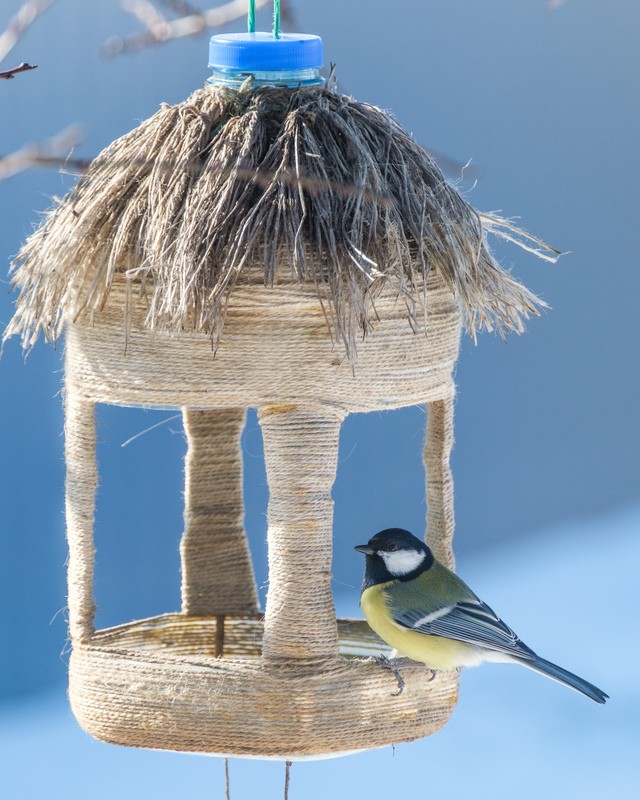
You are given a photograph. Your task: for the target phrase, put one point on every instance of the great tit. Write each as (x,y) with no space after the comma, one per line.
(424,611)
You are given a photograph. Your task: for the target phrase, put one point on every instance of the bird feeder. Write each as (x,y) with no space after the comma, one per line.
(268,243)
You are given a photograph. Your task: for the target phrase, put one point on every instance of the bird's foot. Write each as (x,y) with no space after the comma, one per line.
(383,661)
(389,664)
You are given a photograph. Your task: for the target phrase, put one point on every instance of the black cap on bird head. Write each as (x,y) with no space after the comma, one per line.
(394,554)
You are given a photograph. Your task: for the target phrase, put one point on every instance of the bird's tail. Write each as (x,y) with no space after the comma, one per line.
(564,676)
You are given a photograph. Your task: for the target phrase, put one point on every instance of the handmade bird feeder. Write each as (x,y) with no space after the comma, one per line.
(267,243)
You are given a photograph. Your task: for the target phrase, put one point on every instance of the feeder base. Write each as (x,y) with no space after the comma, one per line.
(158,683)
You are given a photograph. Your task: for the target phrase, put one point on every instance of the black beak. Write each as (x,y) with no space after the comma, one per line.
(364,548)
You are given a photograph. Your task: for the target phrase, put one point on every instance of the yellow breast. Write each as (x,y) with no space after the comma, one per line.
(434,651)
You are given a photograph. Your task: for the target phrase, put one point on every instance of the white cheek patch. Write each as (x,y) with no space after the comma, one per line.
(402,562)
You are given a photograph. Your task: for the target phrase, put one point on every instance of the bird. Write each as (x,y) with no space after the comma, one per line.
(427,613)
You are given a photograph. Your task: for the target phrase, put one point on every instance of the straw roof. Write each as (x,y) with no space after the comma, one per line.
(268,184)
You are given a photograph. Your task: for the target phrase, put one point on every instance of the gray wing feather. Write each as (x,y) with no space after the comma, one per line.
(470,622)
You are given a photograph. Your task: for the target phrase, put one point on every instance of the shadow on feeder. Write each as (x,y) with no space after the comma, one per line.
(318,303)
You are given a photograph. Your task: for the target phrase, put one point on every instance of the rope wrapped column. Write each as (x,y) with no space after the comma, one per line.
(436,457)
(217,574)
(301,456)
(81,483)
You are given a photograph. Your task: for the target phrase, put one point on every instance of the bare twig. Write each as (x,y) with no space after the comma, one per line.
(51,150)
(26,15)
(159,29)
(145,12)
(9,74)
(181,7)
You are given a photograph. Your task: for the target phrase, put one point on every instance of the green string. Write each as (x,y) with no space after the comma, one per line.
(276,19)
(251,18)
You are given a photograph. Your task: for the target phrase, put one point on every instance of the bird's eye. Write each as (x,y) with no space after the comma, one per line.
(392,547)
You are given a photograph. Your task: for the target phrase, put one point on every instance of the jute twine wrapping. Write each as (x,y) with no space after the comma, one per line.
(81,484)
(217,575)
(436,455)
(274,348)
(301,457)
(140,686)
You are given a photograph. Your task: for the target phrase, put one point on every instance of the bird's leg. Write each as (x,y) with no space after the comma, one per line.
(433,674)
(383,661)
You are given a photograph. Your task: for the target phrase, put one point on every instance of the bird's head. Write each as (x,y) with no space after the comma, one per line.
(397,553)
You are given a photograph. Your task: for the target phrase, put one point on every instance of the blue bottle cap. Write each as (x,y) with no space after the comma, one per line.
(260,52)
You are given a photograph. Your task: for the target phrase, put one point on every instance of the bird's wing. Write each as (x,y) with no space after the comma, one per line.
(470,621)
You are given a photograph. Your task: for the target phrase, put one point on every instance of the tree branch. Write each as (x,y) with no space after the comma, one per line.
(9,74)
(47,153)
(159,29)
(181,7)
(27,14)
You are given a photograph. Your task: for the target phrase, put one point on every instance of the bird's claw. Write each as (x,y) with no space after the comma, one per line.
(387,663)
(383,661)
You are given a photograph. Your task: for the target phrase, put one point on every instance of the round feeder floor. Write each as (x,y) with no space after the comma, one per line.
(200,684)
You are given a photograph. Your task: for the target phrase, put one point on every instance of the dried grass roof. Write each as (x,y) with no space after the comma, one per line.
(263,184)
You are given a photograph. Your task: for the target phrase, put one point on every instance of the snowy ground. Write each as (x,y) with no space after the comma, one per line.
(513,734)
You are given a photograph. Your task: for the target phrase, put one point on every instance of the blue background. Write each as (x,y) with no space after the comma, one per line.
(546,105)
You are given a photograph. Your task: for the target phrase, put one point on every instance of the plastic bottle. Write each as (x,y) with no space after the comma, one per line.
(293,59)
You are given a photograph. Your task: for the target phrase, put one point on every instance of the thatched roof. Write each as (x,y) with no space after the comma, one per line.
(231,186)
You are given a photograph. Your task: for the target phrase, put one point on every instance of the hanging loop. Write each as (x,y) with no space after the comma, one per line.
(276,19)
(251,17)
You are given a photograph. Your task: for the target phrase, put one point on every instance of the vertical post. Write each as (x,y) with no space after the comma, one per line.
(301,456)
(217,574)
(436,456)
(81,483)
